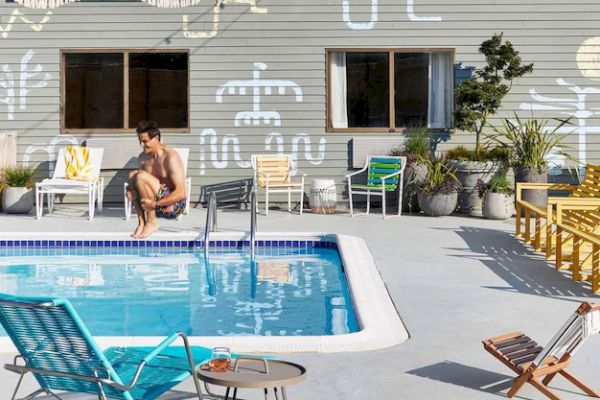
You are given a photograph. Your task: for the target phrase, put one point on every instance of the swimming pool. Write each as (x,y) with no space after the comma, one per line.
(303,292)
(156,290)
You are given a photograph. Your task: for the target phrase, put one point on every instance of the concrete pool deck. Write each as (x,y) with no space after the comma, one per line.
(454,281)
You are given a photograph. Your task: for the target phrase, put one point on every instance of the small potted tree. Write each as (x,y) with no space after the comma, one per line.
(417,150)
(529,143)
(18,195)
(477,99)
(438,194)
(497,197)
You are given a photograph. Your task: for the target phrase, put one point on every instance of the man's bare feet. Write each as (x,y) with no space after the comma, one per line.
(149,229)
(138,231)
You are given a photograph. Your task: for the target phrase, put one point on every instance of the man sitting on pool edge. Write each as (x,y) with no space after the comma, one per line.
(157,188)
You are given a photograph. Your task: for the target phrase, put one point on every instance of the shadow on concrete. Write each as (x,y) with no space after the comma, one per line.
(466,376)
(524,270)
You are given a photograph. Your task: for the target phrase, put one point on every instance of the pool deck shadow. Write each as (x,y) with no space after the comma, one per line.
(524,270)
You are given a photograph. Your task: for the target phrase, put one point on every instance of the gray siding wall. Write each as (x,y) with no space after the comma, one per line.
(291,38)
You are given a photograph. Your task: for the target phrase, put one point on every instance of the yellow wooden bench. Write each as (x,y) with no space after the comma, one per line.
(582,223)
(586,193)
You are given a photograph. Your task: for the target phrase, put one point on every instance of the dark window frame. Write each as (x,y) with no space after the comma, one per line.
(125,53)
(392,128)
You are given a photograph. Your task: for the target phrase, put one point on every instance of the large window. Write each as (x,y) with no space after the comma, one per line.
(108,91)
(389,90)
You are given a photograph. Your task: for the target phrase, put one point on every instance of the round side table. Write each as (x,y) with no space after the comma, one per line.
(251,372)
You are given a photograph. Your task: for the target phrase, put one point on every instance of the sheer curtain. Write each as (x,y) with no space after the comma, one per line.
(440,90)
(339,91)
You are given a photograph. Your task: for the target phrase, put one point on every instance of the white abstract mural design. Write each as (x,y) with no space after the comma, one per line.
(219,4)
(17,87)
(220,150)
(51,149)
(258,86)
(410,12)
(576,107)
(18,14)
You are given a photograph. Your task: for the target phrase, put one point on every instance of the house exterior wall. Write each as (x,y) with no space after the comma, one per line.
(288,41)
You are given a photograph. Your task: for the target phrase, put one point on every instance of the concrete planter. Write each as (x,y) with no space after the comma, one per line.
(17,200)
(468,173)
(497,206)
(437,205)
(539,197)
(414,175)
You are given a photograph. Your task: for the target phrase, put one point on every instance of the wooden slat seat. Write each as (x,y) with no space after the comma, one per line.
(586,193)
(531,362)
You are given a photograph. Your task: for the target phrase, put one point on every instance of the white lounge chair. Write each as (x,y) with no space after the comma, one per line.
(273,173)
(184,153)
(59,184)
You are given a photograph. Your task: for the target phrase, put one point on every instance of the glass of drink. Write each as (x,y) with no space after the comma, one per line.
(220,360)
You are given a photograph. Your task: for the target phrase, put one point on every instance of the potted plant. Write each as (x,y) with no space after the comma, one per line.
(2,187)
(417,150)
(18,195)
(438,194)
(497,197)
(476,99)
(529,143)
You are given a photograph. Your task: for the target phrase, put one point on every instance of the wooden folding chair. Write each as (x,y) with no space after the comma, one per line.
(530,361)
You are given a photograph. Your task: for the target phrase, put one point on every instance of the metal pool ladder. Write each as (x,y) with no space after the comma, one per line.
(211,220)
(253,224)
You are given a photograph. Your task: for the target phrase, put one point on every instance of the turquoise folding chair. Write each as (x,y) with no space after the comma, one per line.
(385,175)
(57,348)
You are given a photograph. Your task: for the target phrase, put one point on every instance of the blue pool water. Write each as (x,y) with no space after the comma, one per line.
(156,291)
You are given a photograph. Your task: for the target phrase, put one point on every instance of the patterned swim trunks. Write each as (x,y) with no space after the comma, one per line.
(172,210)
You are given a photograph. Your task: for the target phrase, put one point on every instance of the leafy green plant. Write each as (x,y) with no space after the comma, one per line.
(440,179)
(480,154)
(18,177)
(480,97)
(498,184)
(417,145)
(529,142)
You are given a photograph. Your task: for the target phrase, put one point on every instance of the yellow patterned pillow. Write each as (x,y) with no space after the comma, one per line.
(77,161)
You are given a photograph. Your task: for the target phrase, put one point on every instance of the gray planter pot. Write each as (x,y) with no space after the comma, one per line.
(468,173)
(497,206)
(414,175)
(437,205)
(534,196)
(17,200)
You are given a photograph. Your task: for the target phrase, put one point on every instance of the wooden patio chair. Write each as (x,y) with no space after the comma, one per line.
(531,361)
(544,236)
(273,173)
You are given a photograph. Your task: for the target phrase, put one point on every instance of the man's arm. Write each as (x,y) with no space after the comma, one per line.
(177,176)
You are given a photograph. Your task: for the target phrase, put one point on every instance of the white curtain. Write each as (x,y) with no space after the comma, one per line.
(338,91)
(440,90)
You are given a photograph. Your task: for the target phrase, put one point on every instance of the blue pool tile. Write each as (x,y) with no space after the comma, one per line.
(135,243)
(2,243)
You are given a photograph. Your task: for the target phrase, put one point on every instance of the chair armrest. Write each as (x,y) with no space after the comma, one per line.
(589,206)
(357,172)
(298,171)
(163,345)
(547,186)
(584,201)
(390,175)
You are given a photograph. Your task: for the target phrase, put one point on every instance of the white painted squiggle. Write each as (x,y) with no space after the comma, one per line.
(216,19)
(410,10)
(8,83)
(256,116)
(50,149)
(572,107)
(362,25)
(278,139)
(303,137)
(222,161)
(36,26)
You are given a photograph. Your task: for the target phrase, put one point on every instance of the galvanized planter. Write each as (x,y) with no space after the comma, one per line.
(17,200)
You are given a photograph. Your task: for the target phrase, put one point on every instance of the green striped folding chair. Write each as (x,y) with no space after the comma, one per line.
(56,347)
(385,175)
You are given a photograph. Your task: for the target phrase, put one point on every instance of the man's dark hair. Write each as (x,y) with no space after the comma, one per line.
(149,127)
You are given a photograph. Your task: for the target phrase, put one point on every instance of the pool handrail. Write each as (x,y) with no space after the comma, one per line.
(253,224)
(211,219)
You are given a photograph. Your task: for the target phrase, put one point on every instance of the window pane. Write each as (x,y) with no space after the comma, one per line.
(368,89)
(158,89)
(411,85)
(93,90)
